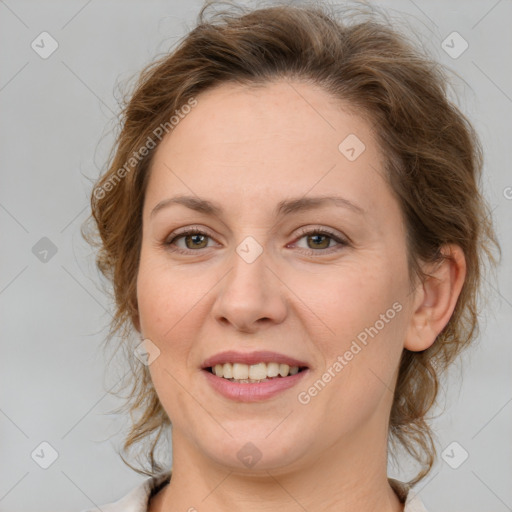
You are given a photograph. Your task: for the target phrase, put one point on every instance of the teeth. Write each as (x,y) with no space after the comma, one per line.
(227,371)
(253,373)
(283,370)
(272,369)
(258,371)
(240,371)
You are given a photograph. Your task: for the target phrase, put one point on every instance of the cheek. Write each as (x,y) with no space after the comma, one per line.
(363,319)
(173,304)
(164,296)
(352,300)
(360,358)
(166,310)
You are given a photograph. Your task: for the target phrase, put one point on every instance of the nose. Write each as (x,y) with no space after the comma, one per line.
(251,296)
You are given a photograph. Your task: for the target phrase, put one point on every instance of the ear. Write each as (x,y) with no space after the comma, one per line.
(435,299)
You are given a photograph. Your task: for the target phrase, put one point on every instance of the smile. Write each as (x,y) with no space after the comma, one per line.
(260,372)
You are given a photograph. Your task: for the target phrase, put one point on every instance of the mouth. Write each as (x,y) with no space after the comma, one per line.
(255,373)
(253,377)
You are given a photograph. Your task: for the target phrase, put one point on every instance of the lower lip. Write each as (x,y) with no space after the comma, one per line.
(255,392)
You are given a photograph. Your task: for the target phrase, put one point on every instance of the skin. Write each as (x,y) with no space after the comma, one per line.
(248,149)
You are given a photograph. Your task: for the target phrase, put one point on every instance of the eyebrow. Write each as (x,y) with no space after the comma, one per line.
(285,207)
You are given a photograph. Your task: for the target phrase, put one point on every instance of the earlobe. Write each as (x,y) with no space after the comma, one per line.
(435,299)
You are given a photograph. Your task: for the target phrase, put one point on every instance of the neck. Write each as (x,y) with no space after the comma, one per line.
(349,476)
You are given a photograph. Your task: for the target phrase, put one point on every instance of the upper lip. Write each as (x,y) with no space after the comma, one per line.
(232,356)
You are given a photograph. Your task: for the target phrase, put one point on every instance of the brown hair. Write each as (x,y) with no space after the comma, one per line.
(433,166)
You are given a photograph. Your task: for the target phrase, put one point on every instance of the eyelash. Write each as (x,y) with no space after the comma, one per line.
(302,233)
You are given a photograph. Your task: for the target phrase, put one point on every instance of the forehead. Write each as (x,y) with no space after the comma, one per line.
(283,139)
(272,116)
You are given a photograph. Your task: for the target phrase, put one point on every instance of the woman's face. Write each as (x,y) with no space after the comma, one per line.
(324,284)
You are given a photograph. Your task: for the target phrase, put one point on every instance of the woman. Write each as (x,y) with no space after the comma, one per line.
(293,227)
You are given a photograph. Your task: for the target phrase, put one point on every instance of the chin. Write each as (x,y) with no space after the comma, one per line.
(254,453)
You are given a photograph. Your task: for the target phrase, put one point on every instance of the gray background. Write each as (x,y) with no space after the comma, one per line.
(56,131)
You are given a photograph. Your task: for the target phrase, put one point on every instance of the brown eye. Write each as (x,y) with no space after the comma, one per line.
(194,239)
(319,242)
